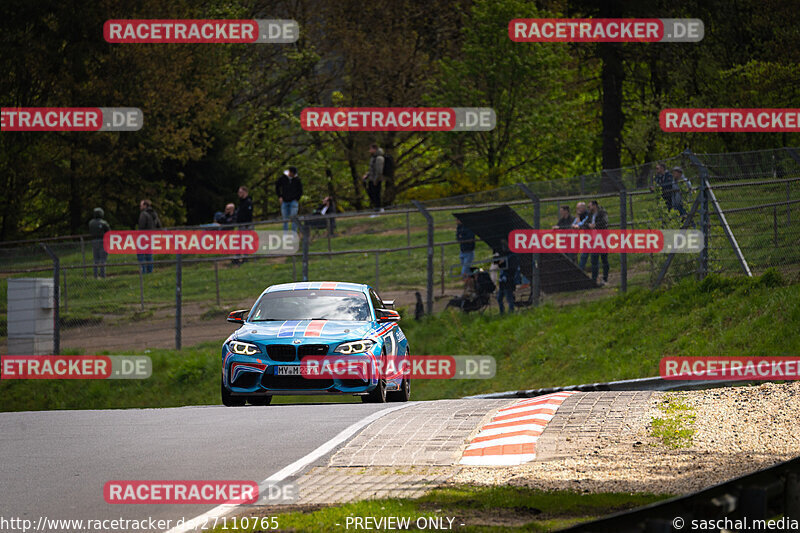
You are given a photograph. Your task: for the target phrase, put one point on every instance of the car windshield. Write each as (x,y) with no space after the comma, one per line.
(311,305)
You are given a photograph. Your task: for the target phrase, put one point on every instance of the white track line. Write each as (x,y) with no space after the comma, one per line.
(497,460)
(280,475)
(516,439)
(509,429)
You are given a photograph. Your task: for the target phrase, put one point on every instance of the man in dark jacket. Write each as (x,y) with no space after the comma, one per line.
(374,176)
(598,219)
(244,214)
(508,262)
(289,190)
(663,183)
(97,228)
(581,222)
(148,220)
(466,241)
(564,218)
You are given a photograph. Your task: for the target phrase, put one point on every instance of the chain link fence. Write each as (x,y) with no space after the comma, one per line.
(746,204)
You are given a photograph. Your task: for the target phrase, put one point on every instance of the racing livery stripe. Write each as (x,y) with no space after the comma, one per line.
(288,327)
(314,328)
(328,286)
(301,286)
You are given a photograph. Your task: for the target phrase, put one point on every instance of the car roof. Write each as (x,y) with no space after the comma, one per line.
(318,285)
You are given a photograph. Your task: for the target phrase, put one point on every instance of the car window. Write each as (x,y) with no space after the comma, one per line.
(311,304)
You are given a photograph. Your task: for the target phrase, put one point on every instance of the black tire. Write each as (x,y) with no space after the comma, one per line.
(260,400)
(404,394)
(231,401)
(377,395)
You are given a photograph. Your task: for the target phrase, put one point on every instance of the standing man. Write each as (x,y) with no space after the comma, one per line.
(663,180)
(244,214)
(564,218)
(509,269)
(466,241)
(374,176)
(599,220)
(677,197)
(97,228)
(580,222)
(148,220)
(289,190)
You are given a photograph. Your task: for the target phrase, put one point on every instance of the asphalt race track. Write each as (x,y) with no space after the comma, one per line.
(55,464)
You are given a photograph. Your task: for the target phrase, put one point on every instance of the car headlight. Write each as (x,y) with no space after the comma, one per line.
(354,347)
(243,348)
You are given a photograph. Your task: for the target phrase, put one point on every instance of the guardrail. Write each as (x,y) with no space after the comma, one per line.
(742,504)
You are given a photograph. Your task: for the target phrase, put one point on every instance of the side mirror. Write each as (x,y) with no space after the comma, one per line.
(387,315)
(237,317)
(389,304)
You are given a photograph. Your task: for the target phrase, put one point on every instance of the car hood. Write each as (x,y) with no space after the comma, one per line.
(309,331)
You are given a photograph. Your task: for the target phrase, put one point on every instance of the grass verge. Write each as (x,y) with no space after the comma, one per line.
(621,337)
(674,426)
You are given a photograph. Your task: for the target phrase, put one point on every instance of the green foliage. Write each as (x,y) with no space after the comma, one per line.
(674,426)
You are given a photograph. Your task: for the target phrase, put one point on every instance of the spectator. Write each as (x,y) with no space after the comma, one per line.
(663,180)
(327,207)
(598,220)
(97,228)
(466,242)
(564,218)
(289,190)
(228,216)
(581,218)
(244,214)
(148,220)
(374,176)
(677,198)
(508,263)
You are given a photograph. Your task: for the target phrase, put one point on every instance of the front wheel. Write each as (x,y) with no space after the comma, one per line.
(404,393)
(377,395)
(228,400)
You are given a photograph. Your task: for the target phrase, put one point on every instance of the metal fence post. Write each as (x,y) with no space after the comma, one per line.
(216,279)
(178,295)
(441,266)
(330,230)
(536,281)
(623,258)
(377,270)
(408,232)
(83,256)
(306,238)
(56,300)
(64,275)
(429,220)
(141,288)
(704,224)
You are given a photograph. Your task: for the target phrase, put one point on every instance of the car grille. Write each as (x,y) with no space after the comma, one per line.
(312,349)
(284,353)
(295,383)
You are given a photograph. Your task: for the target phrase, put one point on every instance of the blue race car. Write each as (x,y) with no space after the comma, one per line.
(293,323)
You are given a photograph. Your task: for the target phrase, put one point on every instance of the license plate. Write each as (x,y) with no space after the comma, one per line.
(293,370)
